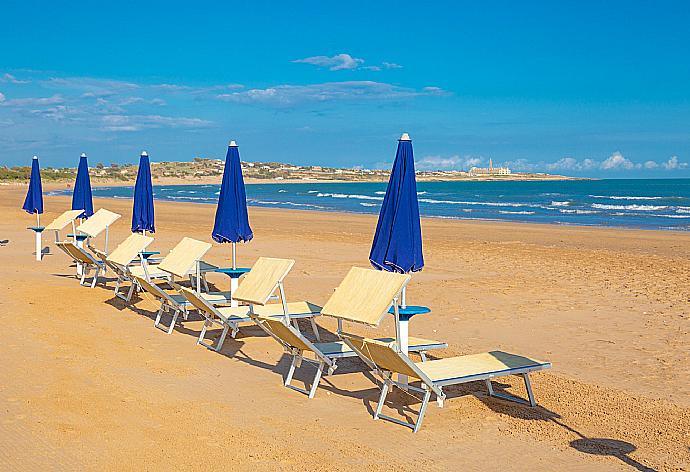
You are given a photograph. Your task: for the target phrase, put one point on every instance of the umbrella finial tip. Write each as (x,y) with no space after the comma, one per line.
(232,143)
(144,153)
(405,137)
(83,154)
(35,157)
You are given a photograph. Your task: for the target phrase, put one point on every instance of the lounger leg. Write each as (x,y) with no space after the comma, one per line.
(315,329)
(157,323)
(317,379)
(203,280)
(382,398)
(95,277)
(203,332)
(222,338)
(489,387)
(291,371)
(422,410)
(422,354)
(131,291)
(528,387)
(174,320)
(83,276)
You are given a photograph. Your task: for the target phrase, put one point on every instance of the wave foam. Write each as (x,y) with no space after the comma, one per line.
(629,207)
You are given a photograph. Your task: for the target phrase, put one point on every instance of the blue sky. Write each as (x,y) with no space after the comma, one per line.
(581,88)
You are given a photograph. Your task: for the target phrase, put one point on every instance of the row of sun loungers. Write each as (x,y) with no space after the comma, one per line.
(364,296)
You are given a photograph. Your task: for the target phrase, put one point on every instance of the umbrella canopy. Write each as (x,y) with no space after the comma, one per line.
(232,221)
(33,203)
(81,197)
(398,239)
(142,212)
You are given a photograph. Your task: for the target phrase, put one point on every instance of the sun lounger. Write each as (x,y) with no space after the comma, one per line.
(386,358)
(176,302)
(121,258)
(184,260)
(99,222)
(323,355)
(373,294)
(83,258)
(257,288)
(59,223)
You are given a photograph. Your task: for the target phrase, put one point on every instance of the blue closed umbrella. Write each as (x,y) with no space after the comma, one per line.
(81,197)
(142,212)
(33,203)
(232,222)
(397,243)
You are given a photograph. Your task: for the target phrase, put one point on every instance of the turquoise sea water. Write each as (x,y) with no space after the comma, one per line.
(649,204)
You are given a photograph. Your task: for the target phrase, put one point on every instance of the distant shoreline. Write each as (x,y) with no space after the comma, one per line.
(95,182)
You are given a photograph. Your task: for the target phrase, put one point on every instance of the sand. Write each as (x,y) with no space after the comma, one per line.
(88,383)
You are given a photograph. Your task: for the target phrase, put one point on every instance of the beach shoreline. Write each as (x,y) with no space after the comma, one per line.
(608,307)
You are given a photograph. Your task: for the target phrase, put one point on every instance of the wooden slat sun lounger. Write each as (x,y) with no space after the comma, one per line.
(176,302)
(59,223)
(86,260)
(323,355)
(385,358)
(98,223)
(258,287)
(368,295)
(120,259)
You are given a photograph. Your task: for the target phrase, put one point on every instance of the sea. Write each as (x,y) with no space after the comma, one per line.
(660,204)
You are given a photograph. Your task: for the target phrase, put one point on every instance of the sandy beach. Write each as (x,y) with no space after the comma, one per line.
(89,383)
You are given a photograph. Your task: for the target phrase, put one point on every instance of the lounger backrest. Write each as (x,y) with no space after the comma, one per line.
(183,257)
(365,295)
(198,302)
(260,283)
(285,333)
(98,222)
(76,253)
(154,289)
(382,354)
(129,249)
(63,220)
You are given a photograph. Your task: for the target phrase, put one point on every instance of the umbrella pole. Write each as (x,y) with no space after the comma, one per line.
(38,237)
(234,280)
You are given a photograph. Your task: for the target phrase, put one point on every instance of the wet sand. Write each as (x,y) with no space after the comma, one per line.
(88,383)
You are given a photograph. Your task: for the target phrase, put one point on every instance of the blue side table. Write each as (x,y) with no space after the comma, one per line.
(147,254)
(39,246)
(234,275)
(404,315)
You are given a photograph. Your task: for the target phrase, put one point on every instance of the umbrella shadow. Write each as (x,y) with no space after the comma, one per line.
(595,446)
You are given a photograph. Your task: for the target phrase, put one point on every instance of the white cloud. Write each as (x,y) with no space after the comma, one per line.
(650,165)
(345,62)
(617,161)
(674,164)
(2,97)
(289,95)
(447,163)
(33,101)
(9,78)
(338,62)
(140,122)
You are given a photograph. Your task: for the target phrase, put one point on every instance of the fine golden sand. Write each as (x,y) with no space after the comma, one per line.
(87,382)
